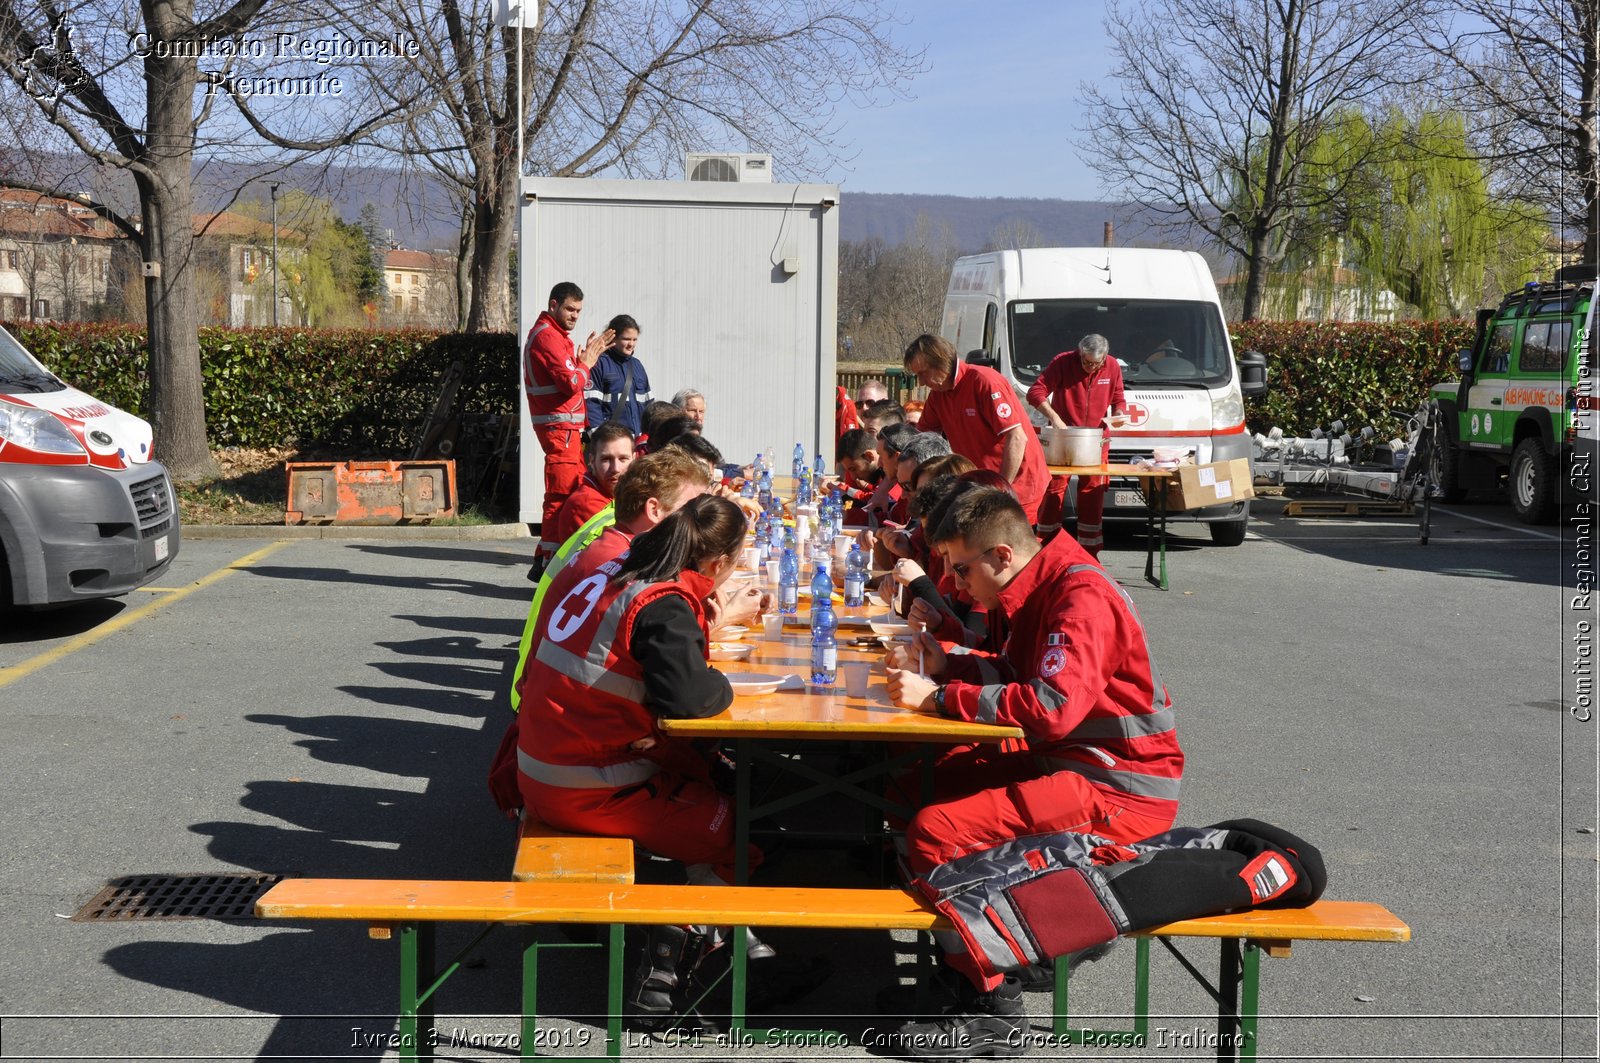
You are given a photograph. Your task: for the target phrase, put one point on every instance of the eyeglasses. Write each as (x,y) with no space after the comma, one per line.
(960,567)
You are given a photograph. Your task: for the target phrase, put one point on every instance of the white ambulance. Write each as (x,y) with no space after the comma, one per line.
(1160,312)
(85,511)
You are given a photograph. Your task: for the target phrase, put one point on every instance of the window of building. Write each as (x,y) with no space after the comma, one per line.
(416,304)
(397,280)
(414,280)
(41,308)
(11,260)
(399,304)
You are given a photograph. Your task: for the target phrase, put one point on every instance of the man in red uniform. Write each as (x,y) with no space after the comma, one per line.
(975,408)
(1077,677)
(554,375)
(1080,385)
(845,417)
(610,452)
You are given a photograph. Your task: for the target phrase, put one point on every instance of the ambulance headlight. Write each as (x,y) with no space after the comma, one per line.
(1227,410)
(36,430)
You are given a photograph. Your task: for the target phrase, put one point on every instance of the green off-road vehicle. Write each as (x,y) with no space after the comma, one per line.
(1524,408)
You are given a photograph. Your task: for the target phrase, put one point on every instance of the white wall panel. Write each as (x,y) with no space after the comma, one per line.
(699,265)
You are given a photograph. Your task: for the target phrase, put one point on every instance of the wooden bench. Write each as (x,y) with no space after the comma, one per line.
(415,906)
(545,854)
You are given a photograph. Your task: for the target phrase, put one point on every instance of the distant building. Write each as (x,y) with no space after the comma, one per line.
(1322,294)
(419,288)
(58,259)
(236,276)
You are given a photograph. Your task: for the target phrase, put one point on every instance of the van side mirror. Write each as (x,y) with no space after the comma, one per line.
(1464,361)
(1253,374)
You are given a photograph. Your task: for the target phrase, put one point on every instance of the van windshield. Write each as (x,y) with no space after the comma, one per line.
(1159,343)
(19,373)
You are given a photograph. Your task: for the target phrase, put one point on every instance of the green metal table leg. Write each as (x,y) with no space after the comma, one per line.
(1163,508)
(738,961)
(1138,1037)
(416,1010)
(615,965)
(530,990)
(1250,1005)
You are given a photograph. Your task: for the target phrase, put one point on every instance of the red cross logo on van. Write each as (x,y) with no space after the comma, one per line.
(1137,415)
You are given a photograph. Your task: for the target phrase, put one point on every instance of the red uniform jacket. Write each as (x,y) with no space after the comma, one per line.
(583,702)
(552,376)
(977,415)
(1076,675)
(582,504)
(1081,398)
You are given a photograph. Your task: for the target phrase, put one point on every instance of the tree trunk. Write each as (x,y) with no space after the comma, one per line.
(1588,141)
(166,200)
(494,213)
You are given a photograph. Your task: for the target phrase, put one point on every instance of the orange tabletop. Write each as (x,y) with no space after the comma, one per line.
(1112,470)
(810,713)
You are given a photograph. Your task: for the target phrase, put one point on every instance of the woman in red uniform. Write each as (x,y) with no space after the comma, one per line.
(623,648)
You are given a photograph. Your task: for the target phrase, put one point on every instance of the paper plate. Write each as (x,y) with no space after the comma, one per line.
(731,651)
(746,684)
(854,621)
(731,633)
(895,640)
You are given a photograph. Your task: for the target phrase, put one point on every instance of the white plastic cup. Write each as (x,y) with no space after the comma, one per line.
(857,674)
(751,559)
(772,627)
(772,573)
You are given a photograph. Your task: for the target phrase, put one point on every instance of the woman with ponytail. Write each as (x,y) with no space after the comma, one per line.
(623,648)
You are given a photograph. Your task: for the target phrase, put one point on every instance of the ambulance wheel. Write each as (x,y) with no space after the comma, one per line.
(1228,532)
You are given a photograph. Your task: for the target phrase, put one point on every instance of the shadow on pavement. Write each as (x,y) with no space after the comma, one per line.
(19,626)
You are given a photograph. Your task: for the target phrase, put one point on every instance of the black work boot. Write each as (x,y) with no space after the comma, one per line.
(980,1024)
(650,996)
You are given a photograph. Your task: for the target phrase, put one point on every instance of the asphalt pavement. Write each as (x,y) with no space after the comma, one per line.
(327,707)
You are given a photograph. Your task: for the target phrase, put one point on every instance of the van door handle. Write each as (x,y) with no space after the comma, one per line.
(1494,402)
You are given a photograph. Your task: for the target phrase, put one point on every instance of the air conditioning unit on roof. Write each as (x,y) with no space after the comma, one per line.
(727,166)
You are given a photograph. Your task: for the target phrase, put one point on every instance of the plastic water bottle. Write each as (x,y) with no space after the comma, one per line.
(764,492)
(749,488)
(855,576)
(763,537)
(822,467)
(799,461)
(802,493)
(824,647)
(775,535)
(789,583)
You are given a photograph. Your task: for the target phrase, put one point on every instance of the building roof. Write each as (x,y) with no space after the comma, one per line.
(403,259)
(29,215)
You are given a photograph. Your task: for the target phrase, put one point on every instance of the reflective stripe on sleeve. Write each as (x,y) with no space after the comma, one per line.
(558,418)
(541,389)
(989,703)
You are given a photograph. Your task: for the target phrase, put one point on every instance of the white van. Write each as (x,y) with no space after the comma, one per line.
(1160,312)
(85,511)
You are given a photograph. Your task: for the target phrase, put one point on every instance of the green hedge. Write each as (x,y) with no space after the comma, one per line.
(364,392)
(1358,373)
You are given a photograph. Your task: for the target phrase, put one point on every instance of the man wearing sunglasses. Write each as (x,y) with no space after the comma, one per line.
(1077,677)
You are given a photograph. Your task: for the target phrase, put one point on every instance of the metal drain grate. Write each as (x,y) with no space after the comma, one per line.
(177,897)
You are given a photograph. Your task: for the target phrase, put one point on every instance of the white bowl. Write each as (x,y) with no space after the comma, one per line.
(731,651)
(749,684)
(731,633)
(895,640)
(893,626)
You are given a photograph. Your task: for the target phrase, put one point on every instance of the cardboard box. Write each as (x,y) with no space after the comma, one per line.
(1219,484)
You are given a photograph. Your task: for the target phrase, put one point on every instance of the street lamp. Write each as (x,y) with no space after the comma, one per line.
(274,187)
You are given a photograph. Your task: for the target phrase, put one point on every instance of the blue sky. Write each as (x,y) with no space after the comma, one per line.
(996,112)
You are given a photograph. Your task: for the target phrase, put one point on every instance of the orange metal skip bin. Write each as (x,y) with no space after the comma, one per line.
(370,492)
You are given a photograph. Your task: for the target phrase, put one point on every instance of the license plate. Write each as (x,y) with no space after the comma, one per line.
(1126,499)
(163,548)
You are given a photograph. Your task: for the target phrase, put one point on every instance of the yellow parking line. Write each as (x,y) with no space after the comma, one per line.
(159,590)
(122,620)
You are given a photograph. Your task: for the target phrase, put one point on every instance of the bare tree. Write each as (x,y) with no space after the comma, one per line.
(625,86)
(130,86)
(1213,102)
(1529,72)
(888,296)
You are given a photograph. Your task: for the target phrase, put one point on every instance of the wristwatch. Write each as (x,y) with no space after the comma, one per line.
(938,700)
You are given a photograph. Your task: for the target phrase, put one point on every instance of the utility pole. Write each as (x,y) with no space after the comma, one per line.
(274,187)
